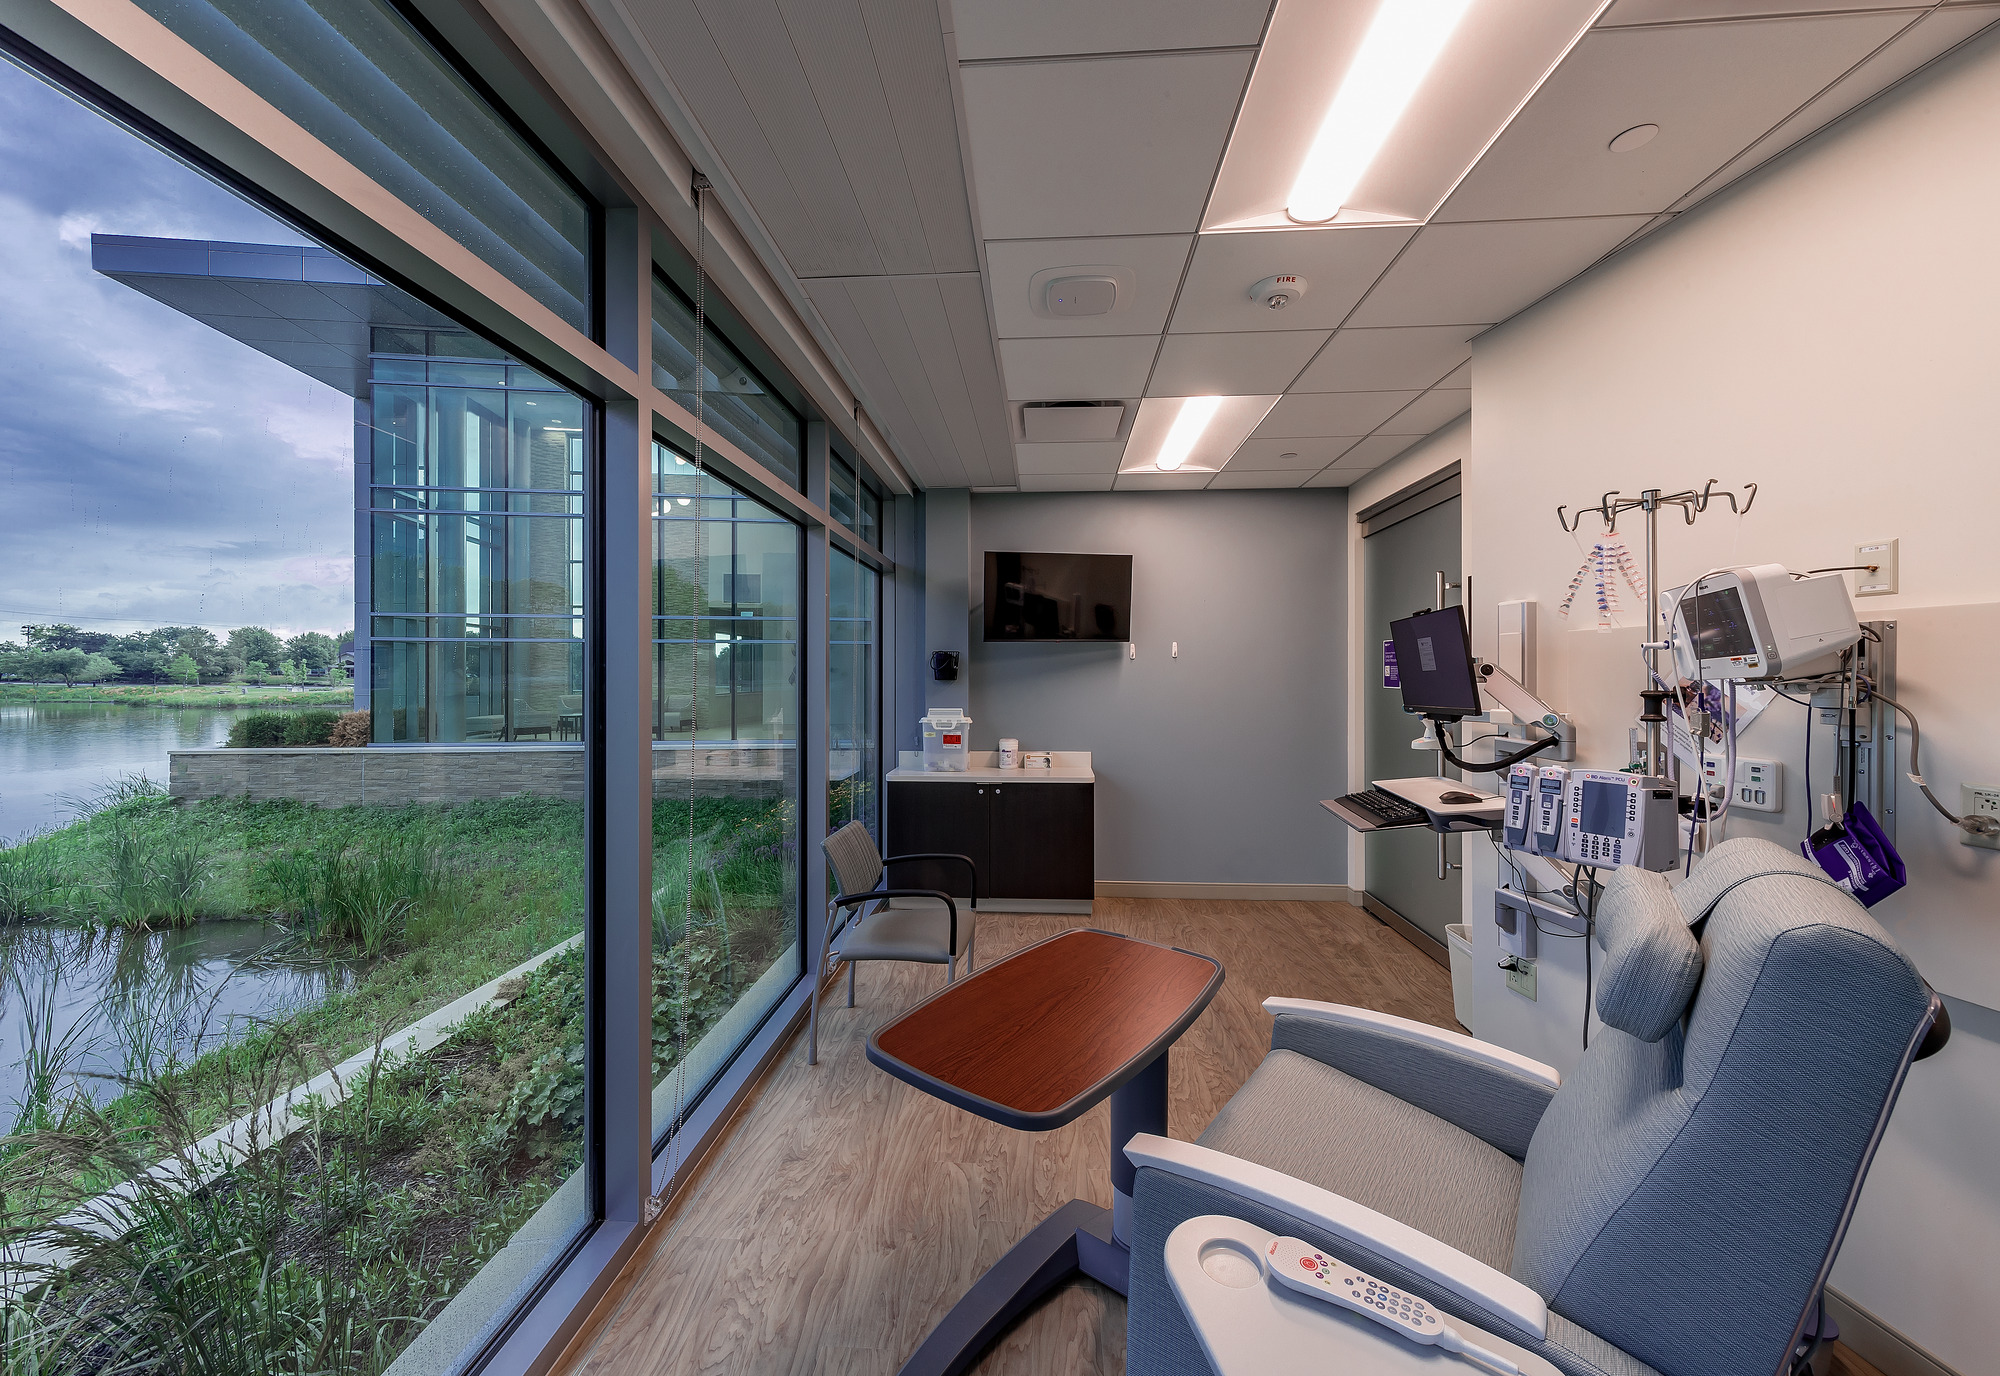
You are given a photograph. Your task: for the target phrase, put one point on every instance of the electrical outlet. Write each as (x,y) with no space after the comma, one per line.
(1978,802)
(1882,582)
(1521,977)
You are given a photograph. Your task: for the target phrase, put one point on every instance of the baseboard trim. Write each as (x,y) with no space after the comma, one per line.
(1879,1343)
(1277,893)
(1074,907)
(1406,929)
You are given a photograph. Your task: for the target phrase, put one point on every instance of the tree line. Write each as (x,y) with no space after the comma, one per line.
(171,654)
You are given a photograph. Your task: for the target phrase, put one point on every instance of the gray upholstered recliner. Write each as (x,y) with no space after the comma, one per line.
(1673,1208)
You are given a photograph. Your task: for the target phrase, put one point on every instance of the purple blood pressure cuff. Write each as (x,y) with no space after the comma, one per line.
(1858,856)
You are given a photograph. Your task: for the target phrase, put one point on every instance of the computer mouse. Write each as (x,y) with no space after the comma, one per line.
(1457,796)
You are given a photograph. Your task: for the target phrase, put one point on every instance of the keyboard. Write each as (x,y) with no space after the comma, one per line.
(1386,808)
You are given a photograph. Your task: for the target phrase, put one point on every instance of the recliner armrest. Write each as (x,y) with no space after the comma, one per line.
(1367,1019)
(1495,1094)
(1443,1265)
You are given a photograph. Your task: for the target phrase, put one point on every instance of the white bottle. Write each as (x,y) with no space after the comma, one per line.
(1010,753)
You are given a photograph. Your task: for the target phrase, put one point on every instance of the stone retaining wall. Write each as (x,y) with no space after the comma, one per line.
(388,776)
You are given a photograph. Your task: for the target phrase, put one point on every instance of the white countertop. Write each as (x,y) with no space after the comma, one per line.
(1068,767)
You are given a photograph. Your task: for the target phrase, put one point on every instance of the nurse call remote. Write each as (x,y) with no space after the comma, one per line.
(1300,1266)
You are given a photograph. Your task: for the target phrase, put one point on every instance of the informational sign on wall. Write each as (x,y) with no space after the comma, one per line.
(1390,677)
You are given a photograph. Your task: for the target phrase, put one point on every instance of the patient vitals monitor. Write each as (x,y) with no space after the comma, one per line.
(1621,819)
(1434,661)
(1759,622)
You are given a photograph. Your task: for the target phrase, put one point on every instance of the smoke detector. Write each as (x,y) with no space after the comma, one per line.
(1280,291)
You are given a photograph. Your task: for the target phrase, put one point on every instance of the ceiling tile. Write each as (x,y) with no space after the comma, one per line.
(1673,11)
(1339,477)
(1155,262)
(1232,420)
(1161,482)
(1933,34)
(1436,407)
(1376,449)
(1041,28)
(1089,369)
(1112,146)
(1193,365)
(1066,482)
(1461,376)
(1391,359)
(1068,458)
(1479,274)
(1255,478)
(1333,413)
(1284,454)
(1338,265)
(1711,88)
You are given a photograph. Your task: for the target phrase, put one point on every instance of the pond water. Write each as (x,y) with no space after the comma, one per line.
(117,1000)
(56,755)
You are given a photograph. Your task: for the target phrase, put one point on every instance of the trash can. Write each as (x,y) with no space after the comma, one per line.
(1458,936)
(945,731)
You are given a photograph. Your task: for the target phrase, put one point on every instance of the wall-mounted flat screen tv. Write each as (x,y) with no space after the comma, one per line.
(1058,596)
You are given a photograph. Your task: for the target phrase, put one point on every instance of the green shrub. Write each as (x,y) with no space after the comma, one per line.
(258,730)
(312,727)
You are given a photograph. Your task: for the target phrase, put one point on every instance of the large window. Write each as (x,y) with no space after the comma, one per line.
(737,401)
(312,1001)
(357,76)
(477,519)
(726,773)
(854,694)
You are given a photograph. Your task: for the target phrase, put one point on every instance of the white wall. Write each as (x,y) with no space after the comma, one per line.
(1211,765)
(1826,329)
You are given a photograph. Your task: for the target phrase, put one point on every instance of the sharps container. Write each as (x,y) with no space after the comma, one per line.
(945,732)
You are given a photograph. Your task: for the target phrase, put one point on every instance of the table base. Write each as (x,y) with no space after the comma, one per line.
(1074,1240)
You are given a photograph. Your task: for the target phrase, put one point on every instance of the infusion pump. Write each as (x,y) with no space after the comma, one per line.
(1598,817)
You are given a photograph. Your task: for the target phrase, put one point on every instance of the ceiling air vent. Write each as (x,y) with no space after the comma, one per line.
(1059,422)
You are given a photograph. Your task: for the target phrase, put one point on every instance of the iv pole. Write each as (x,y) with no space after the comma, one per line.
(1609,508)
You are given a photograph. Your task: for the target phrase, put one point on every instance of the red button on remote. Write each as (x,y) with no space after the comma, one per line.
(1309,1263)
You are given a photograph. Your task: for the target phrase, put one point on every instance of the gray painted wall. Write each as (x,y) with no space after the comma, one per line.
(1210,767)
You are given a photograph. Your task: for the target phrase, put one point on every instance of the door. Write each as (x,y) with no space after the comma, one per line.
(1399,568)
(1043,841)
(939,819)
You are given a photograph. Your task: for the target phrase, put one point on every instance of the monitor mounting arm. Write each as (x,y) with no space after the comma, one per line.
(1539,721)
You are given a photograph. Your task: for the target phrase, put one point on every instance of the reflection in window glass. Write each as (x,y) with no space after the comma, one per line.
(726,597)
(356,76)
(854,694)
(215,885)
(736,400)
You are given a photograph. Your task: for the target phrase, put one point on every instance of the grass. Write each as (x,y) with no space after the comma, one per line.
(172,695)
(329,1251)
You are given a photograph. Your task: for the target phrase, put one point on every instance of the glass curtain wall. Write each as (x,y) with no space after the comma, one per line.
(726,774)
(357,76)
(854,694)
(219,889)
(740,405)
(477,569)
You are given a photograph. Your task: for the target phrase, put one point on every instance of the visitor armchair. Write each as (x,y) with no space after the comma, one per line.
(867,922)
(1673,1208)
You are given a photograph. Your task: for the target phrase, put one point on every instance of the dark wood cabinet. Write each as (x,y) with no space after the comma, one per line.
(1030,840)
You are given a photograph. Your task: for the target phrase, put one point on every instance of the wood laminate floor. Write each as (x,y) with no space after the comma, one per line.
(847,1211)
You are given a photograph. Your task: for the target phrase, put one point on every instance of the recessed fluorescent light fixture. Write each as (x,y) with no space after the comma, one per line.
(1196,413)
(1399,50)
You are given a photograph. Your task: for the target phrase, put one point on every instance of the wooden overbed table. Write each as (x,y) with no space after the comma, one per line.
(1032,1042)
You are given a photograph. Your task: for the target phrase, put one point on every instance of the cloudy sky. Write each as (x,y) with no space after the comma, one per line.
(152,471)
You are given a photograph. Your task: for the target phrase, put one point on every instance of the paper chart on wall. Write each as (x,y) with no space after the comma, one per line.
(1751,700)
